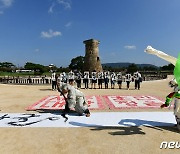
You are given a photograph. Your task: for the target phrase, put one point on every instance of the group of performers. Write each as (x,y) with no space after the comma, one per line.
(99,78)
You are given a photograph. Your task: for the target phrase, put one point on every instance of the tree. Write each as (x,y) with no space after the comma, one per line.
(169,67)
(77,63)
(149,68)
(7,65)
(63,69)
(132,68)
(38,69)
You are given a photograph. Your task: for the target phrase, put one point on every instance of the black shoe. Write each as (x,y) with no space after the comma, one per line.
(87,113)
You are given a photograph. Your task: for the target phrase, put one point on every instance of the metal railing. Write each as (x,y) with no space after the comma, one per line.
(25,80)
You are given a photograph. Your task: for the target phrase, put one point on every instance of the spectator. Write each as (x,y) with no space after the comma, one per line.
(86,80)
(53,78)
(100,79)
(128,79)
(78,79)
(71,75)
(113,80)
(106,79)
(119,80)
(137,79)
(94,80)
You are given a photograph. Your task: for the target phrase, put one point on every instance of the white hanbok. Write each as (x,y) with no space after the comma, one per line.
(76,99)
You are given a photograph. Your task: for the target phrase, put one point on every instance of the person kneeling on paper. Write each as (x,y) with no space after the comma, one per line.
(75,99)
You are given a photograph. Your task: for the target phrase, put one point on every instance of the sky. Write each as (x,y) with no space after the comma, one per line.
(53,31)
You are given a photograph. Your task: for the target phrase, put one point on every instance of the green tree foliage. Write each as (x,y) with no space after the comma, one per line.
(107,68)
(38,68)
(132,68)
(77,63)
(149,68)
(6,66)
(63,69)
(169,67)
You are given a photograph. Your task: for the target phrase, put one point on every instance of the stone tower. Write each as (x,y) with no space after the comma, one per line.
(92,60)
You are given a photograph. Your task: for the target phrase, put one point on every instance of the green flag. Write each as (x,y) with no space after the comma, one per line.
(177,71)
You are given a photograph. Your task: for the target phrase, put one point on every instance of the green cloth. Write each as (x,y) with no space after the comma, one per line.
(170,98)
(177,71)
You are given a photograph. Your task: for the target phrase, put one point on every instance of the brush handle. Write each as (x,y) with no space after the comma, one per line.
(161,54)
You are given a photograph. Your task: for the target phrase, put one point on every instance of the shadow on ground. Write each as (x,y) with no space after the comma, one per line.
(126,126)
(128,129)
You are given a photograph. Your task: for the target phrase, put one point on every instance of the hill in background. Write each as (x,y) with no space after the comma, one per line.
(125,65)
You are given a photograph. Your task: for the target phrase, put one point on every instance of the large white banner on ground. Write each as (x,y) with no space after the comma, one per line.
(97,119)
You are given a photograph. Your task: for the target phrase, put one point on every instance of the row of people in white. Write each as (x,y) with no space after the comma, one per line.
(100,77)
